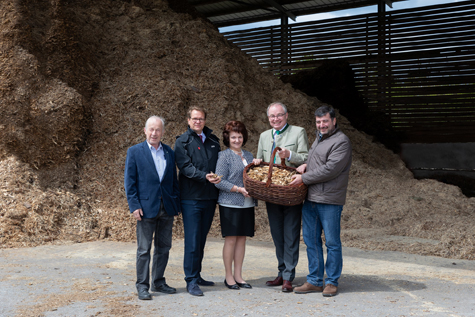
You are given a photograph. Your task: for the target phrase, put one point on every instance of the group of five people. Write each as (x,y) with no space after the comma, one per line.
(208,176)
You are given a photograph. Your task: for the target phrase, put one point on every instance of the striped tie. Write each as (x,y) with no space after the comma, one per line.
(273,145)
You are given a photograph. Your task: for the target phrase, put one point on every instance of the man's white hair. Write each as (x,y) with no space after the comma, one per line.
(155,118)
(278,103)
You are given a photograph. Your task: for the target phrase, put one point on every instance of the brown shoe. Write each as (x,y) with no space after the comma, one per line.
(287,287)
(277,282)
(308,288)
(330,290)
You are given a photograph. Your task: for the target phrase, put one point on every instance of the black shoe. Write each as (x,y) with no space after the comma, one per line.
(244,285)
(194,289)
(234,286)
(164,288)
(144,295)
(205,283)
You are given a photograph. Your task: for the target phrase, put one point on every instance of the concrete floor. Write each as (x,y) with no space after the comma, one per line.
(97,279)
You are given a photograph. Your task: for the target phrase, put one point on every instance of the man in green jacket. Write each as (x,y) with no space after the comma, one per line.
(284,221)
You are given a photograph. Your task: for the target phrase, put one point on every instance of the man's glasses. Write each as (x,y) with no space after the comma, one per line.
(198,119)
(279,116)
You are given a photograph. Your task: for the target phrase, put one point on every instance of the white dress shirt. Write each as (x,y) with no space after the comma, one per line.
(158,156)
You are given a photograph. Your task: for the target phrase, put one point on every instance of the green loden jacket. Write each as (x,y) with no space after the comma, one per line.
(292,138)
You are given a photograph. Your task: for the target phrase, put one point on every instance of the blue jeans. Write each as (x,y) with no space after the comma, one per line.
(317,217)
(197,218)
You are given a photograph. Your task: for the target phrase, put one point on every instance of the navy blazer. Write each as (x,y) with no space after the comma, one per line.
(142,183)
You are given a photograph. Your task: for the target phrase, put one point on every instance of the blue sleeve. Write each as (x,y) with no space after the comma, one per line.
(130,181)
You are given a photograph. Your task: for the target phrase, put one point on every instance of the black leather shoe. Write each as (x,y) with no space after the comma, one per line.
(144,295)
(244,285)
(205,283)
(164,288)
(194,289)
(234,286)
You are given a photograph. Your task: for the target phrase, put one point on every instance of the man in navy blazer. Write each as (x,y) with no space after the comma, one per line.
(152,190)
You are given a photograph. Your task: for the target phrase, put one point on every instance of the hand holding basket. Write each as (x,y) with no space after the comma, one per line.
(289,195)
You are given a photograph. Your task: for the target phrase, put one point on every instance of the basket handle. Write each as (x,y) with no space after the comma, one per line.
(271,165)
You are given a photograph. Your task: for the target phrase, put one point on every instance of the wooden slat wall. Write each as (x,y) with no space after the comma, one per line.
(424,79)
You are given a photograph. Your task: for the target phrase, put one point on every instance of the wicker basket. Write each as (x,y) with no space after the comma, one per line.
(289,195)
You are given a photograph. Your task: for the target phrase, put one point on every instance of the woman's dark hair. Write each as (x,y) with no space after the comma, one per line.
(234,126)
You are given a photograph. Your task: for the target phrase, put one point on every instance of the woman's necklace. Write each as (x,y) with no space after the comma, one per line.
(238,153)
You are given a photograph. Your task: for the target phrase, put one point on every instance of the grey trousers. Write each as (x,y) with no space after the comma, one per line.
(285,224)
(158,230)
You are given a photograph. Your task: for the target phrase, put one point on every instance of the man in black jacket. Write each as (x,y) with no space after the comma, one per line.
(196,154)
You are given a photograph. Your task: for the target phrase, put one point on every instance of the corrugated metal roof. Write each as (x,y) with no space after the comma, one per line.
(232,12)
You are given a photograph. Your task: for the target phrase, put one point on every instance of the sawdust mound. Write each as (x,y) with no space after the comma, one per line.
(78,79)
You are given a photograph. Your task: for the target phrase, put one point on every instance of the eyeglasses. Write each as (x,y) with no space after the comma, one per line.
(198,119)
(279,116)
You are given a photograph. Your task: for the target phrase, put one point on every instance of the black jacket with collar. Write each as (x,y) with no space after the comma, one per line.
(194,160)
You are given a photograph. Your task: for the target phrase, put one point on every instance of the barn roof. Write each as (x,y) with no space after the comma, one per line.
(232,12)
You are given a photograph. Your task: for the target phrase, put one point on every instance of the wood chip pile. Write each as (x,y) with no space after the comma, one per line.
(78,79)
(280,176)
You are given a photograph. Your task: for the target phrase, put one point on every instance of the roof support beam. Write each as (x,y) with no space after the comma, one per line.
(382,73)
(284,35)
(281,9)
(389,3)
